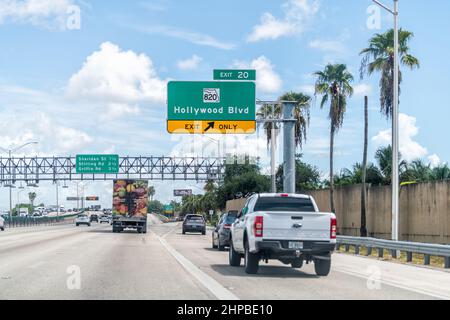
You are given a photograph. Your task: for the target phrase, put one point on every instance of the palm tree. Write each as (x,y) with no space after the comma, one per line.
(334,85)
(151,192)
(363,229)
(379,56)
(418,171)
(383,156)
(301,115)
(210,186)
(440,173)
(32,197)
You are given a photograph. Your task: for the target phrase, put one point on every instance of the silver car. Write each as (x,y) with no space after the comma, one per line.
(82,219)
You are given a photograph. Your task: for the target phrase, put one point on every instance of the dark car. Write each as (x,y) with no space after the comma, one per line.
(221,232)
(194,223)
(94,218)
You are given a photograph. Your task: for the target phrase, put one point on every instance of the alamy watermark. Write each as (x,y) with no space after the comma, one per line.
(73,21)
(73,281)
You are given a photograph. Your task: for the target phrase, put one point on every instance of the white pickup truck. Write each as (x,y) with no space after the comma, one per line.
(286,227)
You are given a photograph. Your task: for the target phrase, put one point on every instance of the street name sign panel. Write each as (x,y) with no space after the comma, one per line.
(182,192)
(92,198)
(214,106)
(74,198)
(233,74)
(97,163)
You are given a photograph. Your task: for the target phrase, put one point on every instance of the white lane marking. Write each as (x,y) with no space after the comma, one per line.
(395,284)
(212,285)
(174,228)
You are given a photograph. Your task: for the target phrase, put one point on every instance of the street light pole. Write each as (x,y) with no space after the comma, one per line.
(395,125)
(10,151)
(395,137)
(10,192)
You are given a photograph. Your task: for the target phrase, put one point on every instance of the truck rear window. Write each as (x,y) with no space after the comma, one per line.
(290,204)
(195,218)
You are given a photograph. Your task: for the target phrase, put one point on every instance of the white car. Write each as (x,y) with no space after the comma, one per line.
(286,227)
(82,219)
(104,218)
(2,223)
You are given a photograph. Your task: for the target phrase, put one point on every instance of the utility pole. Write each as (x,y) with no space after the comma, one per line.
(288,121)
(288,146)
(395,125)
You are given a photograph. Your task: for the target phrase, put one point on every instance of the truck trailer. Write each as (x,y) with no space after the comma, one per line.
(130,205)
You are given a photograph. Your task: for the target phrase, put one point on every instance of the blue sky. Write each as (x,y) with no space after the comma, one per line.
(101,87)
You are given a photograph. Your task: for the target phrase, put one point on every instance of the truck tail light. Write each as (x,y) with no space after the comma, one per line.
(258,226)
(333,228)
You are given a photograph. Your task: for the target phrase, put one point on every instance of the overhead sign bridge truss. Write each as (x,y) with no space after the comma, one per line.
(34,170)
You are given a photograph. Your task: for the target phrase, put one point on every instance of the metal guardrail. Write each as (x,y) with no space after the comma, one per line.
(427,249)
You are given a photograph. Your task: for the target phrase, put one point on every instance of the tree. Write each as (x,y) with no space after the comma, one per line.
(151,192)
(383,156)
(307,177)
(363,229)
(32,197)
(417,171)
(155,206)
(241,180)
(379,56)
(440,173)
(333,83)
(301,115)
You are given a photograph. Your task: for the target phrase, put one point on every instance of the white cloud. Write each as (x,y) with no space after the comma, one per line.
(114,75)
(297,14)
(193,37)
(190,63)
(267,80)
(334,46)
(49,13)
(434,160)
(362,89)
(409,149)
(53,137)
(307,89)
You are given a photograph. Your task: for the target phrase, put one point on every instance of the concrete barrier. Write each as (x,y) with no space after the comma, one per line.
(424,211)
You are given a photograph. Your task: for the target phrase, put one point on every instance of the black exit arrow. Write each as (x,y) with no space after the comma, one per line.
(210,126)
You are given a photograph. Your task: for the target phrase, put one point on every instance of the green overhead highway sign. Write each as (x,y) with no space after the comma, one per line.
(242,75)
(211,107)
(97,163)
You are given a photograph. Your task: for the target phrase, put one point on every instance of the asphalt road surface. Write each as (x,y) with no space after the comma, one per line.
(68,262)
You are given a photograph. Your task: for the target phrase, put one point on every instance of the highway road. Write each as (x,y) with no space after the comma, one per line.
(66,262)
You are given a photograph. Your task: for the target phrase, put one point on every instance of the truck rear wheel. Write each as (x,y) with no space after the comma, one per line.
(251,260)
(322,267)
(234,257)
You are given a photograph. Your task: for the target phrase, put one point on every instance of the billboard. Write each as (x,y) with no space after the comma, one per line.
(182,192)
(130,198)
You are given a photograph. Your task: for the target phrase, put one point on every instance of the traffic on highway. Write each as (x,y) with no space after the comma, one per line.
(224,157)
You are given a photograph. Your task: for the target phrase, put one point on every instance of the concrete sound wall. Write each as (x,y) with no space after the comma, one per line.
(424,211)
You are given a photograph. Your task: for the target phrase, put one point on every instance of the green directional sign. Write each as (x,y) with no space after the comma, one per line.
(211,106)
(240,75)
(97,163)
(168,208)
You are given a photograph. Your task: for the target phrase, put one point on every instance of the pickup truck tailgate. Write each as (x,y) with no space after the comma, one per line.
(303,226)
